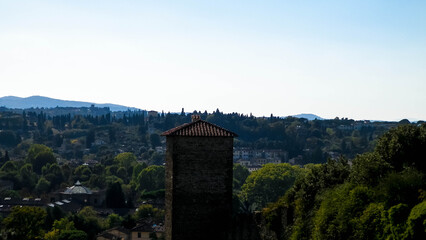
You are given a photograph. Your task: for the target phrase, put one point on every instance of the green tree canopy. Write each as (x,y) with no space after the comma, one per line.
(404,146)
(40,155)
(73,235)
(416,223)
(43,185)
(88,221)
(58,227)
(397,218)
(137,169)
(126,160)
(372,223)
(151,178)
(82,173)
(401,187)
(240,175)
(53,173)
(25,223)
(335,217)
(9,166)
(63,224)
(368,169)
(302,198)
(148,211)
(269,183)
(114,220)
(28,177)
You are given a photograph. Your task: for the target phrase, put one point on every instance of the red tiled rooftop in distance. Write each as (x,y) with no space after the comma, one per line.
(199,128)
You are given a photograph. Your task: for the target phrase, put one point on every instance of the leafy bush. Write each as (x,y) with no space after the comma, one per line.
(416,223)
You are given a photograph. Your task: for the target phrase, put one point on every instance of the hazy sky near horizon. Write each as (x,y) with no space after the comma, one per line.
(357,59)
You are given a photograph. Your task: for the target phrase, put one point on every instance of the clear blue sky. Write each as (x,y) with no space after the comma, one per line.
(355,59)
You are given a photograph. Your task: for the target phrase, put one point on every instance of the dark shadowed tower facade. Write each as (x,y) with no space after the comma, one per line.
(198,181)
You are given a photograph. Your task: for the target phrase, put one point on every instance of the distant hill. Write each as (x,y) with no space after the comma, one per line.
(45,102)
(308,116)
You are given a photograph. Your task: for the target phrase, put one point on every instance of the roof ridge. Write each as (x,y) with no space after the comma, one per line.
(199,128)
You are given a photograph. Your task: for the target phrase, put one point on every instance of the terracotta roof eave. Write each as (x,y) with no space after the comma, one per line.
(166,133)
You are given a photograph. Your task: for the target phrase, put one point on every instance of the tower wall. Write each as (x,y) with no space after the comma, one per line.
(198,187)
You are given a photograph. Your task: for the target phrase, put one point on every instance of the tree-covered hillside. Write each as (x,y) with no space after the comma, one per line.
(101,134)
(352,179)
(381,195)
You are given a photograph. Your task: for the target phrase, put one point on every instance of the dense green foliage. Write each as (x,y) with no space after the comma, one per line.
(41,152)
(38,223)
(404,146)
(379,197)
(416,223)
(268,184)
(71,136)
(39,155)
(25,223)
(240,174)
(148,211)
(151,179)
(64,229)
(375,195)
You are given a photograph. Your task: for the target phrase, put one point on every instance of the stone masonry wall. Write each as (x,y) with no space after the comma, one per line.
(198,187)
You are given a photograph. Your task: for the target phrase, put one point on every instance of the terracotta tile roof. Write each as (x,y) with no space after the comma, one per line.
(148,225)
(199,128)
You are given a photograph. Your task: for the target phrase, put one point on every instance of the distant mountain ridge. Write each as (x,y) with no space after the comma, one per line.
(46,102)
(308,116)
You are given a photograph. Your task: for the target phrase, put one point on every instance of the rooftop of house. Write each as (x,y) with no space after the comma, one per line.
(199,128)
(21,201)
(148,225)
(107,235)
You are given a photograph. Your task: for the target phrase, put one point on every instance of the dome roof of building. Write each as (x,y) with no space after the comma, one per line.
(78,189)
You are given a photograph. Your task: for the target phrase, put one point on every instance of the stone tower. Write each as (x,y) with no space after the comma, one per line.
(199,162)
